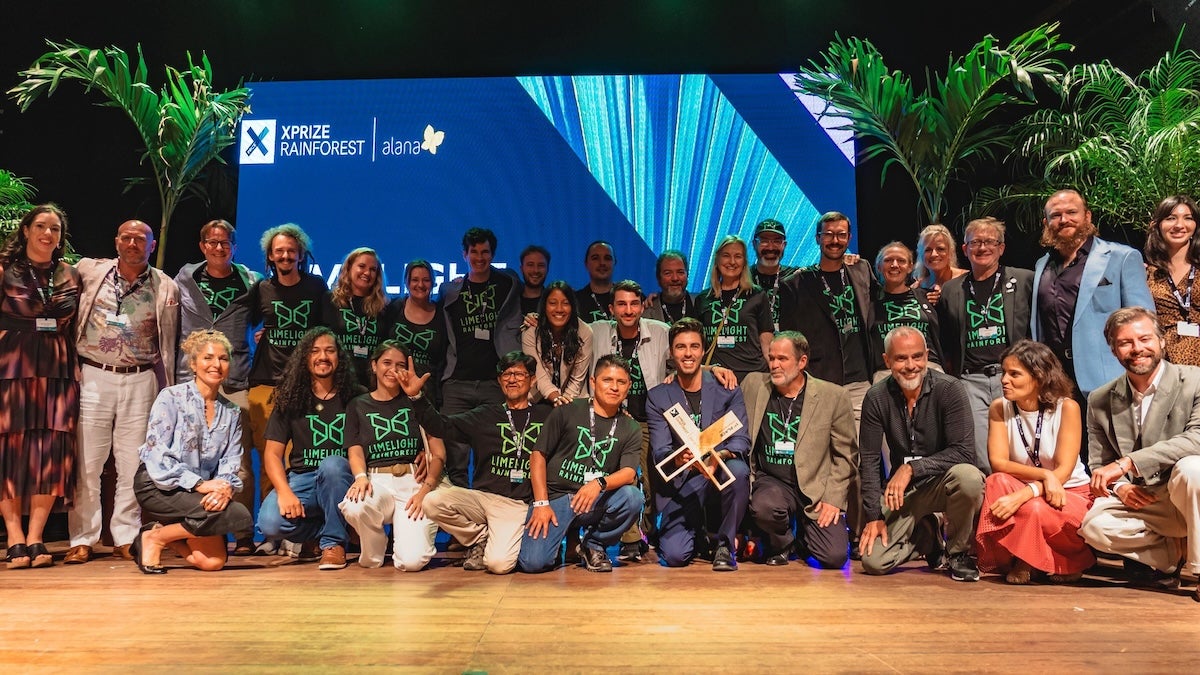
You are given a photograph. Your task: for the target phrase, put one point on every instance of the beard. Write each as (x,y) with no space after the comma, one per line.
(910,384)
(1053,240)
(1138,369)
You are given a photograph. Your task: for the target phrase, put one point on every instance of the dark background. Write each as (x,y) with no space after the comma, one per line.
(77,154)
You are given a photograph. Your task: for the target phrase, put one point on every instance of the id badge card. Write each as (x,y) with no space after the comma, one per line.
(516,475)
(589,476)
(360,351)
(117,320)
(989,332)
(483,334)
(784,448)
(1188,329)
(726,341)
(45,324)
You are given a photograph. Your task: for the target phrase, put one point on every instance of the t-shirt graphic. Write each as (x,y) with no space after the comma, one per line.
(218,299)
(842,306)
(363,325)
(781,432)
(985,322)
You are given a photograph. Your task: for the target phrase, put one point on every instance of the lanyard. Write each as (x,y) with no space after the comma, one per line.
(592,429)
(683,309)
(556,354)
(603,309)
(637,343)
(787,421)
(518,437)
(1185,301)
(1034,452)
(44,291)
(970,285)
(725,307)
(120,297)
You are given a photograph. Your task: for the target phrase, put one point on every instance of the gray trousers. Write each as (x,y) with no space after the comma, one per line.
(981,391)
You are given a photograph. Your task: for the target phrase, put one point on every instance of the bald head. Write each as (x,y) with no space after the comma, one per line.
(135,243)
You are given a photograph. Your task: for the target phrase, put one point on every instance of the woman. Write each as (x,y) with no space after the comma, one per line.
(936,258)
(562,344)
(901,305)
(190,462)
(418,324)
(1172,255)
(39,383)
(383,442)
(1038,492)
(735,313)
(360,301)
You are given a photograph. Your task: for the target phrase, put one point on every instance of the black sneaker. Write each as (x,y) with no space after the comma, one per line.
(723,560)
(928,543)
(962,567)
(777,560)
(632,551)
(594,560)
(1145,576)
(474,560)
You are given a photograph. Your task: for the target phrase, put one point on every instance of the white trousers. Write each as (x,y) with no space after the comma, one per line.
(412,540)
(470,515)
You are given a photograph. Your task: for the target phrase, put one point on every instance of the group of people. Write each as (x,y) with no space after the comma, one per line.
(825,412)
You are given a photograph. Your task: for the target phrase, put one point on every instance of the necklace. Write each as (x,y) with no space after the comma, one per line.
(320,399)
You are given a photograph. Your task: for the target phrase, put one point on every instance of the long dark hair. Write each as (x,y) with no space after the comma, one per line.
(1156,247)
(294,395)
(572,343)
(13,250)
(1044,367)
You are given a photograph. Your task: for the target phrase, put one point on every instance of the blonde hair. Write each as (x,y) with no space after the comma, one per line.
(343,294)
(744,284)
(195,342)
(920,272)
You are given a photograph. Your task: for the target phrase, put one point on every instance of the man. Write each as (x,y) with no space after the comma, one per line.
(535,265)
(596,296)
(490,518)
(127,329)
(644,343)
(1077,285)
(804,454)
(673,302)
(924,418)
(310,414)
(981,314)
(212,295)
(681,503)
(770,240)
(1144,442)
(482,324)
(584,474)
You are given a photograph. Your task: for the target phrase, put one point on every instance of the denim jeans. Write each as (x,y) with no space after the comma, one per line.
(319,492)
(609,517)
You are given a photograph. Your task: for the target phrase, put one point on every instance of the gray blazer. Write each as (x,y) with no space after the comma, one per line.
(1171,431)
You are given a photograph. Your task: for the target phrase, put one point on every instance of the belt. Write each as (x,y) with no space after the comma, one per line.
(394,469)
(991,370)
(120,370)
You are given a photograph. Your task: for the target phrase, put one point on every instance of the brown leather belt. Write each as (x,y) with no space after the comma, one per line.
(120,370)
(394,469)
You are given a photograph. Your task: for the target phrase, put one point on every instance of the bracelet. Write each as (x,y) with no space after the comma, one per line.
(359,475)
(418,397)
(541,502)
(1037,490)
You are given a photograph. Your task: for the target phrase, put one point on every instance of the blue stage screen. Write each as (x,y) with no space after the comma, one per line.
(646,162)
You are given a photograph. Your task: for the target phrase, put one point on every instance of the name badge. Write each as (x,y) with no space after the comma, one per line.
(46,325)
(516,475)
(989,332)
(1188,329)
(118,320)
(360,351)
(911,458)
(483,334)
(785,448)
(725,341)
(589,476)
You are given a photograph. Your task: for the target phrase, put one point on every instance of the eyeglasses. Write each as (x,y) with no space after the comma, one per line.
(835,236)
(218,243)
(984,243)
(516,375)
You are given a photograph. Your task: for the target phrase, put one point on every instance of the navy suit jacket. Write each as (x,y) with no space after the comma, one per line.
(715,401)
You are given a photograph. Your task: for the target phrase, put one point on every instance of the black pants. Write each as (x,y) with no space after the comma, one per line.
(182,506)
(774,504)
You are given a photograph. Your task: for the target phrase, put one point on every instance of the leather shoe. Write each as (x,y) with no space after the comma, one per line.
(122,552)
(777,560)
(723,560)
(594,560)
(78,555)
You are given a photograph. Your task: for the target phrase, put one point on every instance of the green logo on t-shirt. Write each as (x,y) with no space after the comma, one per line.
(842,307)
(217,300)
(992,312)
(479,302)
(587,447)
(508,443)
(291,316)
(734,315)
(327,433)
(396,424)
(420,339)
(356,324)
(902,311)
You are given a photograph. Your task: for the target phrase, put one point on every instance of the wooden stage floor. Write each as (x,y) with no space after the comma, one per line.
(107,617)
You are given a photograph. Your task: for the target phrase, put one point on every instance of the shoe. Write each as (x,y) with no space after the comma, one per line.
(333,558)
(243,547)
(632,551)
(855,553)
(1064,578)
(78,555)
(267,547)
(928,543)
(962,567)
(39,556)
(122,552)
(594,560)
(135,551)
(777,560)
(474,560)
(723,560)
(310,551)
(1144,576)
(18,557)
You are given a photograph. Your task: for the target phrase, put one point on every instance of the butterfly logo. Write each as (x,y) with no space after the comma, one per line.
(992,312)
(508,445)
(396,424)
(356,324)
(584,448)
(433,139)
(842,303)
(327,434)
(291,316)
(420,339)
(735,311)
(475,302)
(897,311)
(218,300)
(781,432)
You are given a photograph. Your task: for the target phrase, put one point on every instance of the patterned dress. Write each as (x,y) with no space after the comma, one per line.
(39,382)
(1181,349)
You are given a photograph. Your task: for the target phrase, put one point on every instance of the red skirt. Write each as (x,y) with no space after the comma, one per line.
(1041,535)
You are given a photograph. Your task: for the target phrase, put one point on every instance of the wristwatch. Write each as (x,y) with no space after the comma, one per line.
(603,483)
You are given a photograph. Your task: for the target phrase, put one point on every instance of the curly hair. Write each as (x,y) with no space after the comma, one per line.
(195,341)
(288,230)
(343,294)
(572,343)
(1043,366)
(13,249)
(294,395)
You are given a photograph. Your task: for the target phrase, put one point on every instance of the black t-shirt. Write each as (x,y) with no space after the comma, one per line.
(987,335)
(770,285)
(473,318)
(387,430)
(775,447)
(635,403)
(694,400)
(287,313)
(746,316)
(359,335)
(843,305)
(910,308)
(425,342)
(529,305)
(314,436)
(575,448)
(218,292)
(501,445)
(593,306)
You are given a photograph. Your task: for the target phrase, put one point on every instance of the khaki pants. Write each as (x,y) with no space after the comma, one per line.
(635,531)
(469,515)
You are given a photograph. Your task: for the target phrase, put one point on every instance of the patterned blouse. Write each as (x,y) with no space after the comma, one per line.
(181,450)
(1180,350)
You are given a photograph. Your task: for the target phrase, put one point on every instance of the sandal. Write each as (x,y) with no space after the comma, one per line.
(40,556)
(135,549)
(1020,574)
(18,557)
(1065,578)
